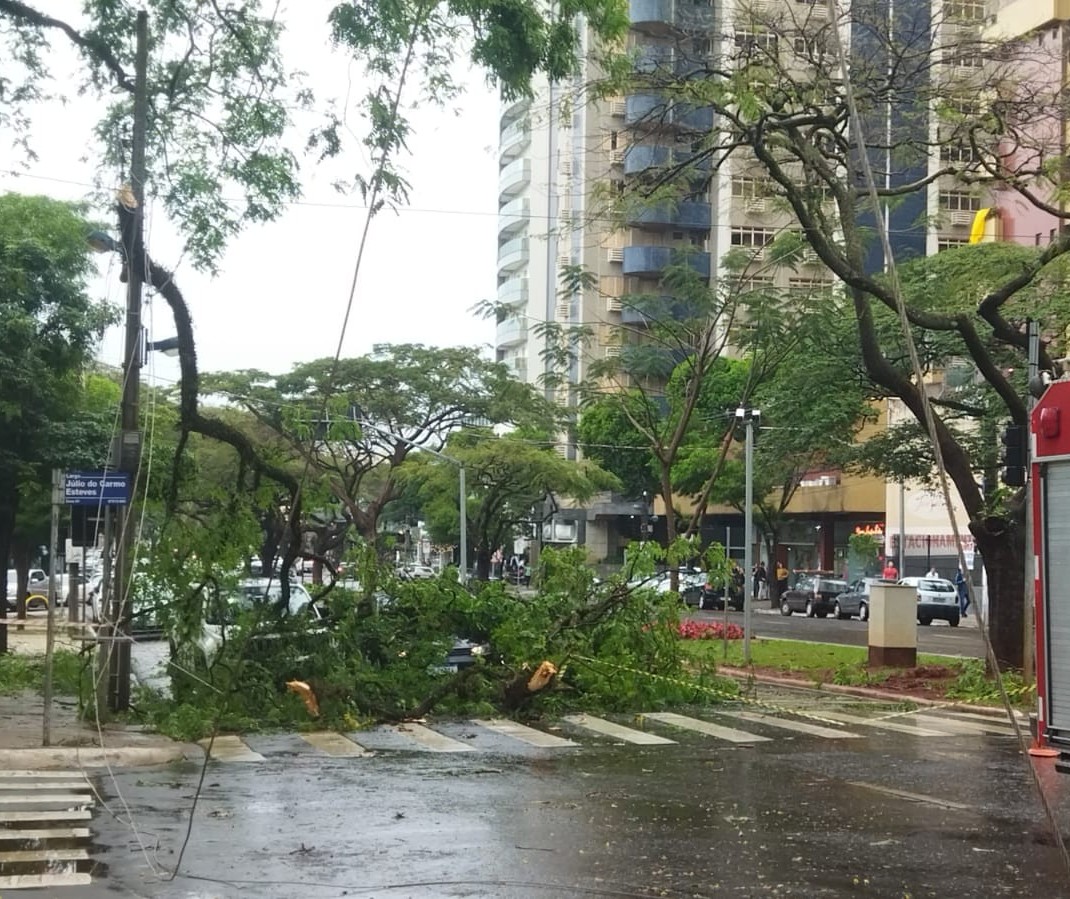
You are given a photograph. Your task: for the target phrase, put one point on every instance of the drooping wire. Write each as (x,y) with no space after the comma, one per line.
(858,129)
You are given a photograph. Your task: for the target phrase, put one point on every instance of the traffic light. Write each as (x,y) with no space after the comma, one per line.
(1015,455)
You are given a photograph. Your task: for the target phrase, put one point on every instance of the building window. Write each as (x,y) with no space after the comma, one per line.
(752,238)
(965,59)
(701,46)
(751,188)
(751,43)
(613,140)
(950,243)
(959,201)
(958,152)
(964,10)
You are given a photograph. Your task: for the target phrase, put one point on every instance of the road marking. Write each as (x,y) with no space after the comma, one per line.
(55,833)
(957,726)
(18,856)
(229,748)
(82,784)
(1023,720)
(41,881)
(429,739)
(911,797)
(43,774)
(17,817)
(801,727)
(62,799)
(524,734)
(617,731)
(884,724)
(335,745)
(706,727)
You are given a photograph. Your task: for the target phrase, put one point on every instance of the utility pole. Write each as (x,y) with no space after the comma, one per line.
(129,450)
(749,416)
(1029,596)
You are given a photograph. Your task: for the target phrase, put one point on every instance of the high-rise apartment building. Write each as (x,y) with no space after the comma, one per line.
(561,154)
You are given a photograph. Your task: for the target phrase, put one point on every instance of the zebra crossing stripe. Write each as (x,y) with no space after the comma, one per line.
(48,856)
(617,731)
(801,727)
(885,724)
(54,833)
(705,727)
(957,726)
(335,745)
(1023,720)
(429,739)
(43,881)
(46,785)
(43,775)
(25,817)
(525,734)
(229,748)
(63,800)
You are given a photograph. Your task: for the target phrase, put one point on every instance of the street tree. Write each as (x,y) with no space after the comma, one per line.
(49,327)
(777,90)
(506,477)
(354,423)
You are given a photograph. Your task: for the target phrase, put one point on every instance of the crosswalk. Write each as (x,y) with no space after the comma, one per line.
(44,830)
(732,726)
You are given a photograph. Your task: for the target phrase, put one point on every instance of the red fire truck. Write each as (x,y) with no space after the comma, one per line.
(1050,485)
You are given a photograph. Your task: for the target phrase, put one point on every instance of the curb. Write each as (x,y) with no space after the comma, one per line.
(45,758)
(863,692)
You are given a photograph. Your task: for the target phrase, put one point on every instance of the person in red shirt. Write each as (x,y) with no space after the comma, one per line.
(891,573)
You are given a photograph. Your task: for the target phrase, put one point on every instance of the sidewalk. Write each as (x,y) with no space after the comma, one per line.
(73,743)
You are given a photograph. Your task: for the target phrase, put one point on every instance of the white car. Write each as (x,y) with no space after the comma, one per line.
(937,599)
(251,592)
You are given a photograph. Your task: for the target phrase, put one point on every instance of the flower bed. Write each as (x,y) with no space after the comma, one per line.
(708,630)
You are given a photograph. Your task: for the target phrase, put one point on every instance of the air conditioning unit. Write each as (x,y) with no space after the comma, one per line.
(612,352)
(818,10)
(613,304)
(564,261)
(616,157)
(616,107)
(961,216)
(566,167)
(810,257)
(564,312)
(615,254)
(755,204)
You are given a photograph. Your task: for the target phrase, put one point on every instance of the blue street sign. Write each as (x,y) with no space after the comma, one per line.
(93,488)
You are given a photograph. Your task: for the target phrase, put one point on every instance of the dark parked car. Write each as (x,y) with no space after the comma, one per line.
(712,596)
(855,602)
(813,594)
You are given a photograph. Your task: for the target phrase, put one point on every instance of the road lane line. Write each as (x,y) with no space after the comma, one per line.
(884,724)
(42,774)
(528,735)
(617,731)
(18,817)
(47,785)
(706,727)
(335,745)
(229,748)
(1001,720)
(428,739)
(911,797)
(801,727)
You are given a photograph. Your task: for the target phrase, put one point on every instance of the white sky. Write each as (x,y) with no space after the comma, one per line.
(281,293)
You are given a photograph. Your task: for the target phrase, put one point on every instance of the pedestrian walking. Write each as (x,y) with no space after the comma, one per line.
(963,591)
(760,579)
(890,573)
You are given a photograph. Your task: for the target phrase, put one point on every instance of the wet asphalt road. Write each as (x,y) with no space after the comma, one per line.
(886,815)
(938,638)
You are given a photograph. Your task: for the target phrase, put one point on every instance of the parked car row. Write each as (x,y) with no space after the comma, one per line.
(820,596)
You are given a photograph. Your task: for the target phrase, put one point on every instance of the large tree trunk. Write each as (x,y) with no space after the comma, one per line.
(20,561)
(1001,542)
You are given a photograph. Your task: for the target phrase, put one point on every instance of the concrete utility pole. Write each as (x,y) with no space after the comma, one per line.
(1029,597)
(749,416)
(129,451)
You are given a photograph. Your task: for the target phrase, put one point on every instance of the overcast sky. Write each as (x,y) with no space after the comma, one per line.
(281,294)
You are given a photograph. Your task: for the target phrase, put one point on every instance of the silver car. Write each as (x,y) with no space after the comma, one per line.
(937,599)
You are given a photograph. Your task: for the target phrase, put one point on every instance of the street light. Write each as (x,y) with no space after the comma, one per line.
(355,415)
(748,416)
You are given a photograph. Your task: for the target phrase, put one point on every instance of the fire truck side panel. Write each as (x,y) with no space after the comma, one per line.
(1056,561)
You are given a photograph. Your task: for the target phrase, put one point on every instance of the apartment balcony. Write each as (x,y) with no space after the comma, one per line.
(514,140)
(510,332)
(513,109)
(688,215)
(639,158)
(650,262)
(514,177)
(513,216)
(513,292)
(666,59)
(512,255)
(655,111)
(652,16)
